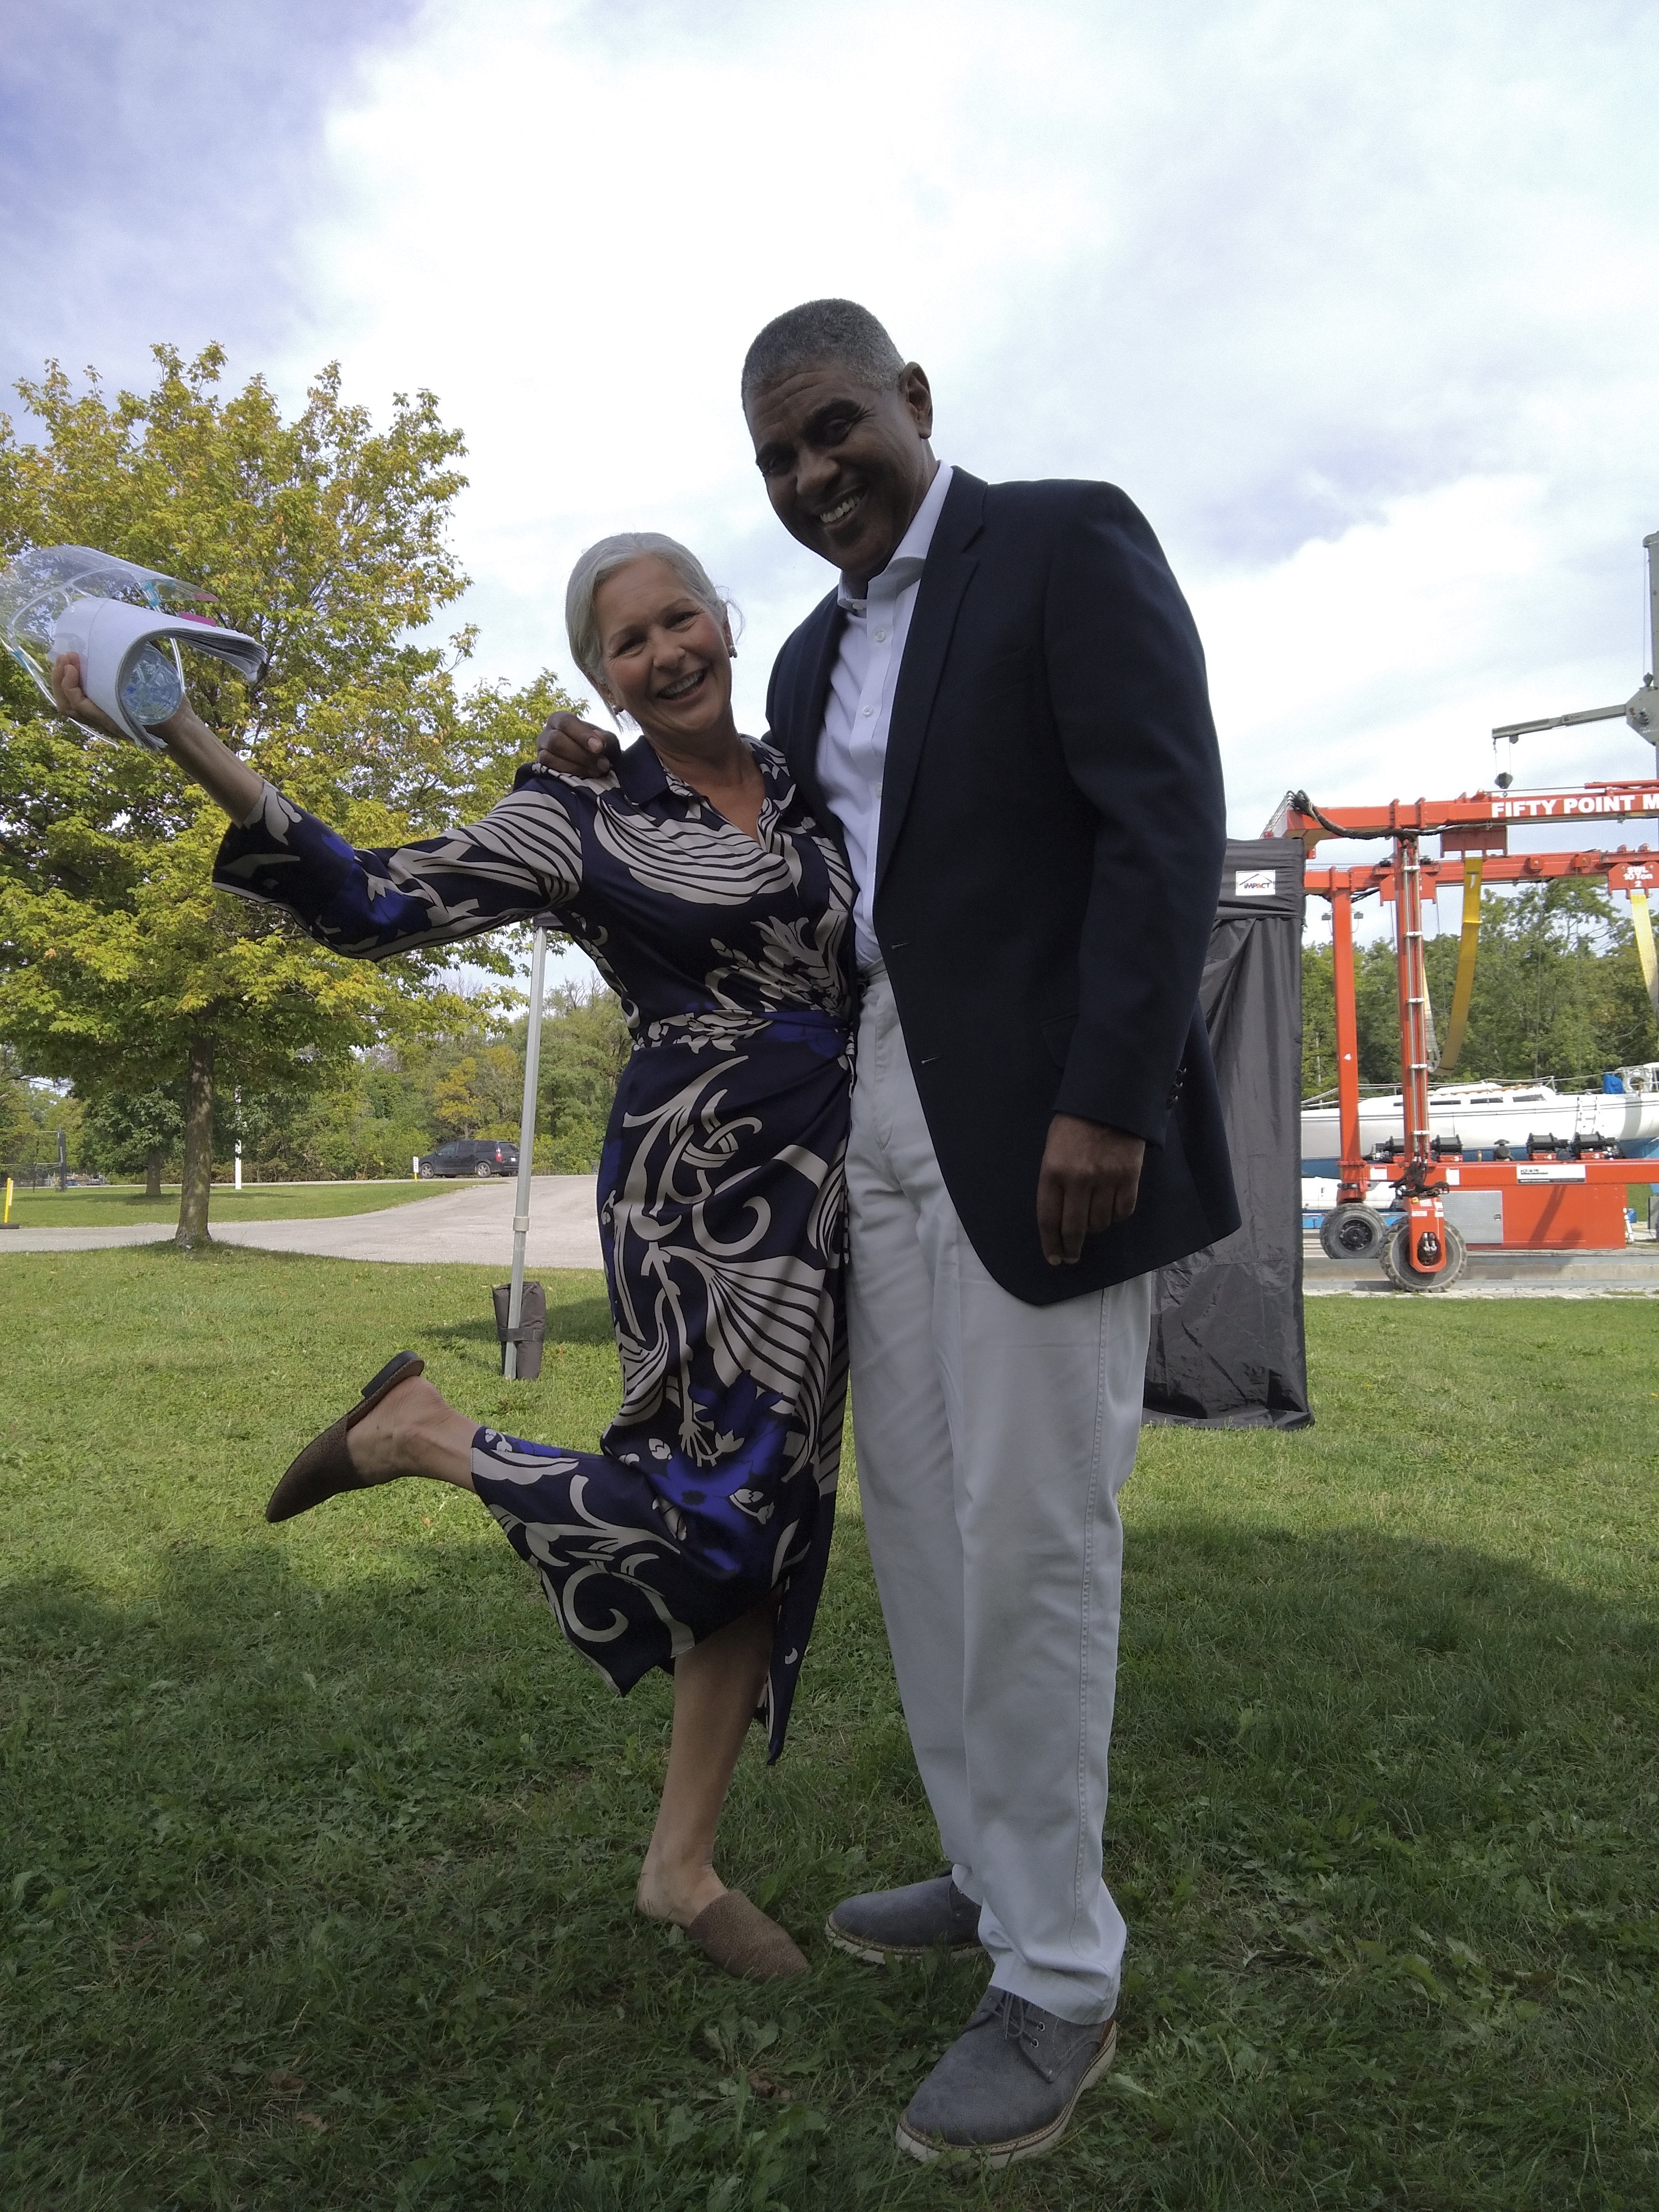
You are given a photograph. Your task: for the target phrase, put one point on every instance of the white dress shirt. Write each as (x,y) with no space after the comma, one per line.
(853,749)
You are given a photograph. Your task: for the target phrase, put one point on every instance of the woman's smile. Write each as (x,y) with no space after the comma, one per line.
(682,687)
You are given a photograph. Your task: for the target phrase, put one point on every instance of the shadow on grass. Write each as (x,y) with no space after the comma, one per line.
(318,1894)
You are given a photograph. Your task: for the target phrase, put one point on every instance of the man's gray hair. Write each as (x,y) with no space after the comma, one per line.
(821,334)
(602,561)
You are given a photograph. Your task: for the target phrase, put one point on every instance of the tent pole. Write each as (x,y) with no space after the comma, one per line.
(532,1065)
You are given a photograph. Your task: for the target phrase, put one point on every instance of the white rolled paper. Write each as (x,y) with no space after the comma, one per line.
(109,636)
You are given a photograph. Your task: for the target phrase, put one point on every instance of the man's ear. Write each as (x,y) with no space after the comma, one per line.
(917,394)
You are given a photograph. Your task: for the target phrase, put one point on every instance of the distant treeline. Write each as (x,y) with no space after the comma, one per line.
(369,1118)
(1558,993)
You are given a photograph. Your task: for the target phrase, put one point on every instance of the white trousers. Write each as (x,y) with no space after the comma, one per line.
(993,1438)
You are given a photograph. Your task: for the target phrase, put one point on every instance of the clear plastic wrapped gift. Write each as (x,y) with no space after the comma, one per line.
(126,623)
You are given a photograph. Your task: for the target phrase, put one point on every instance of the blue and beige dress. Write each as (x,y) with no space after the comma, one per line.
(722,1209)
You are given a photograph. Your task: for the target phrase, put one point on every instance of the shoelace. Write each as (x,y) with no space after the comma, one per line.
(1023,2024)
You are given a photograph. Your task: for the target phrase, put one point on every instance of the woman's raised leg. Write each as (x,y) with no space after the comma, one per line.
(717,1686)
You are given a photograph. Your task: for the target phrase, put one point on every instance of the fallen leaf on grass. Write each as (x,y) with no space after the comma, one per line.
(285,2085)
(311,2120)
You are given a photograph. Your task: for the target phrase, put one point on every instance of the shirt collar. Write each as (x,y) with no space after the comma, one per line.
(913,548)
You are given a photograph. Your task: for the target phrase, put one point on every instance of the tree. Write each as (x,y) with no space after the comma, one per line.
(1557,993)
(134,1132)
(324,538)
(481,1094)
(585,1046)
(17,1123)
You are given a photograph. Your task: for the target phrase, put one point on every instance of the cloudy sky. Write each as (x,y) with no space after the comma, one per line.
(1356,302)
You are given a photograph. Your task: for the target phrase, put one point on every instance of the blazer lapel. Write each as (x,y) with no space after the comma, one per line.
(944,579)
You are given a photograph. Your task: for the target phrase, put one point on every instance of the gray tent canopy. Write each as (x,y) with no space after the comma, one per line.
(1227,1348)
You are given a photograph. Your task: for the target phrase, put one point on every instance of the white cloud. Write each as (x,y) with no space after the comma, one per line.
(1376,663)
(1353,302)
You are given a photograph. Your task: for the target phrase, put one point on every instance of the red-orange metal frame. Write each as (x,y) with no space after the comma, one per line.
(1475,821)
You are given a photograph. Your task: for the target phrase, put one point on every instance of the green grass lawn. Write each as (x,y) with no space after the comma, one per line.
(318,1846)
(269,1201)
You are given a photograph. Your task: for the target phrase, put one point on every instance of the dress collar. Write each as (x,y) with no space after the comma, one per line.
(640,777)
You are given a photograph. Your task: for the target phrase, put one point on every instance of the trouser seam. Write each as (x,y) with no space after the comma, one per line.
(1086,1611)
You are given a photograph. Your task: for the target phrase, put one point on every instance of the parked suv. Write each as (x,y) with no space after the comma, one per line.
(471,1156)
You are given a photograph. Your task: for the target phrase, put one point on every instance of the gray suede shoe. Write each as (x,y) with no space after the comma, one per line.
(906,1923)
(1004,2089)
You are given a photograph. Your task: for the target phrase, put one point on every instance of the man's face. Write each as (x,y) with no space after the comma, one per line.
(846,468)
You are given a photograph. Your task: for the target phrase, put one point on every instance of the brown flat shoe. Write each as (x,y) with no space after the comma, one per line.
(323,1468)
(738,1937)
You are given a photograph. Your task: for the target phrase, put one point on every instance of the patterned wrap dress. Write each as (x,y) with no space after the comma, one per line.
(722,1203)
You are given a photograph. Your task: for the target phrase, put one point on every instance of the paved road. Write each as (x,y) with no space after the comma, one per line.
(1633,1271)
(472,1222)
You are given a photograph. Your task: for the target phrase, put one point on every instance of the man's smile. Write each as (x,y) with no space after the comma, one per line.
(832,518)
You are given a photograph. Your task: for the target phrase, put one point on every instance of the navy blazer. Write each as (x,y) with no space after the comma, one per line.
(1052,832)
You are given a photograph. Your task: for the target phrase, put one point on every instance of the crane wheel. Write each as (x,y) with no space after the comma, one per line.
(1398,1267)
(1351,1232)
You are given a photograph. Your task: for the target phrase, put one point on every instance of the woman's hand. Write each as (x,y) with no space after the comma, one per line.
(186,736)
(73,700)
(574,747)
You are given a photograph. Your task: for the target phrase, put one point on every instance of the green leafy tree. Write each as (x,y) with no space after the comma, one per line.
(134,1133)
(324,538)
(17,1123)
(585,1046)
(481,1094)
(1557,993)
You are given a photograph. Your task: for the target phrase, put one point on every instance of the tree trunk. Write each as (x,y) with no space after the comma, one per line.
(192,1230)
(153,1175)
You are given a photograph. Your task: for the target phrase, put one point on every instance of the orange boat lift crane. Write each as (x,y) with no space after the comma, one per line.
(1585,1195)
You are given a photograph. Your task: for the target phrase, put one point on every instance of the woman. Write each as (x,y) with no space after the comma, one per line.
(696,1538)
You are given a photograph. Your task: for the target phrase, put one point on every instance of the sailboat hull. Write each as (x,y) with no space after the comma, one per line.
(1483,1117)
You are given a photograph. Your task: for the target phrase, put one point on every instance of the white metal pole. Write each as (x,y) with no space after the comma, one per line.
(532,1064)
(237,1096)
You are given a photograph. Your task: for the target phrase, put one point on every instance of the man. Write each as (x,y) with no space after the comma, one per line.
(1002,705)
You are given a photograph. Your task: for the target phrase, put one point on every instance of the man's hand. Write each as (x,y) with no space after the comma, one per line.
(575,747)
(1089,1178)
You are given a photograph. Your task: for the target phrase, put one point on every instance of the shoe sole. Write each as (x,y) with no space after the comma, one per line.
(995,2156)
(874,1954)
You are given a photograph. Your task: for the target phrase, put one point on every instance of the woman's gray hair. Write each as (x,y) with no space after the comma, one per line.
(603,561)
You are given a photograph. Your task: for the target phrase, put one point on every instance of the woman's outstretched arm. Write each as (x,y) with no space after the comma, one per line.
(522,861)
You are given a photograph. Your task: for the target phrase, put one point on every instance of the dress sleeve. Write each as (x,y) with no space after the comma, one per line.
(525,858)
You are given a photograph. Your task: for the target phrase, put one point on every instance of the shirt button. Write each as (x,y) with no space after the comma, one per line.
(881,637)
(868,710)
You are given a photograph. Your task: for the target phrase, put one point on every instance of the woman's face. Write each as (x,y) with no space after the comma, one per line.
(665,659)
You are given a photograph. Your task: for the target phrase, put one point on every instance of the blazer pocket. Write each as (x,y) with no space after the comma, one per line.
(1057,1035)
